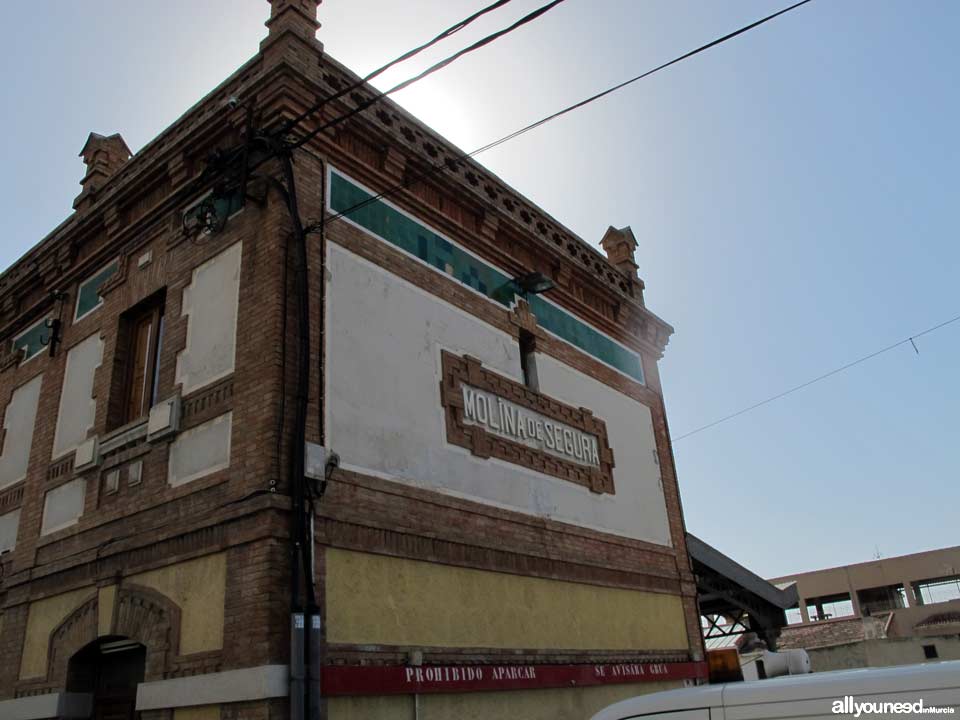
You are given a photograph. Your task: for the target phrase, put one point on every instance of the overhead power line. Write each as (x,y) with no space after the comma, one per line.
(553,116)
(817,379)
(625,83)
(276,144)
(452,30)
(377,97)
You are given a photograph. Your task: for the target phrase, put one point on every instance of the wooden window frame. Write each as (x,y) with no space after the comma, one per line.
(122,398)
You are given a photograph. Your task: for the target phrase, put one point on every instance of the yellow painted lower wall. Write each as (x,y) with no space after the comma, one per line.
(550,704)
(384,707)
(196,586)
(43,618)
(378,599)
(106,604)
(205,712)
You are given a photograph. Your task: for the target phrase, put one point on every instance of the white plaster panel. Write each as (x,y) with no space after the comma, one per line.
(18,422)
(32,707)
(384,338)
(60,705)
(639,487)
(86,454)
(210,304)
(201,450)
(63,506)
(77,404)
(9,523)
(229,686)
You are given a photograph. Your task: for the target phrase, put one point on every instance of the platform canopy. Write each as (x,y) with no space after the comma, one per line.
(734,601)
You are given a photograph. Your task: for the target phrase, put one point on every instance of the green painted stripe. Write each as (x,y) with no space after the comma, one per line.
(413,237)
(576,332)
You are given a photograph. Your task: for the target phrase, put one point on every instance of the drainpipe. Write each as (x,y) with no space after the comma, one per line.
(314,633)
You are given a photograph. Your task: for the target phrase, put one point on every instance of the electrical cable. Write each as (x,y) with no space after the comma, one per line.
(321,320)
(305,652)
(295,143)
(452,30)
(281,417)
(302,495)
(632,80)
(490,38)
(301,289)
(530,17)
(553,116)
(817,379)
(300,550)
(298,143)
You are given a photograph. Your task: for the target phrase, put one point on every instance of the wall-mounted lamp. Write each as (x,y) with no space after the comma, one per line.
(54,325)
(204,217)
(534,283)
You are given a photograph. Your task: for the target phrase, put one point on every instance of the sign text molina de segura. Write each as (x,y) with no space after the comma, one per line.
(509,420)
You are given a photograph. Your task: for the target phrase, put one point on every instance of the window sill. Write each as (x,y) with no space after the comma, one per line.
(129,434)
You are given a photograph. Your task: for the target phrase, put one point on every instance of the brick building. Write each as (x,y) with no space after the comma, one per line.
(890,611)
(503,536)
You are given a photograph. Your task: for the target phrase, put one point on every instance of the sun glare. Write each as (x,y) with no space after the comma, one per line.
(444,111)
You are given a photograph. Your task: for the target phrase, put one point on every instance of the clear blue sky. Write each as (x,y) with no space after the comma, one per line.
(794,193)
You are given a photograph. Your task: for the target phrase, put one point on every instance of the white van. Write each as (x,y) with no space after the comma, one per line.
(865,693)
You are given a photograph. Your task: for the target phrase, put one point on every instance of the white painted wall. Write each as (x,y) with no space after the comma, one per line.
(639,488)
(77,405)
(201,450)
(384,338)
(210,303)
(9,522)
(18,422)
(63,506)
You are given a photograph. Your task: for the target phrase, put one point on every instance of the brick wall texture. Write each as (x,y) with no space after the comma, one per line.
(244,509)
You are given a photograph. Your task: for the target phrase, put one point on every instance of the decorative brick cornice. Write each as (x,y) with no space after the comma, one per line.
(394,162)
(473,179)
(510,231)
(465,370)
(400,140)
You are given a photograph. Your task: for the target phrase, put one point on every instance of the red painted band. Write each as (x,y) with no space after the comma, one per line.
(407,679)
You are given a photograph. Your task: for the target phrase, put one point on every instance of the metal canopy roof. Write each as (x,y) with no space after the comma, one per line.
(743,599)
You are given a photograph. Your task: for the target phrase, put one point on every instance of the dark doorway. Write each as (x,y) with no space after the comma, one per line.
(110,670)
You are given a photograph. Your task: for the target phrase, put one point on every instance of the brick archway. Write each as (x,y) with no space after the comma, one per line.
(78,630)
(140,614)
(153,620)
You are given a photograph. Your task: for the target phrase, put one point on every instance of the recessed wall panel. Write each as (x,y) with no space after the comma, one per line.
(18,423)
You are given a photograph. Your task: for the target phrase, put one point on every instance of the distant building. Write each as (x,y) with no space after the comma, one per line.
(891,611)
